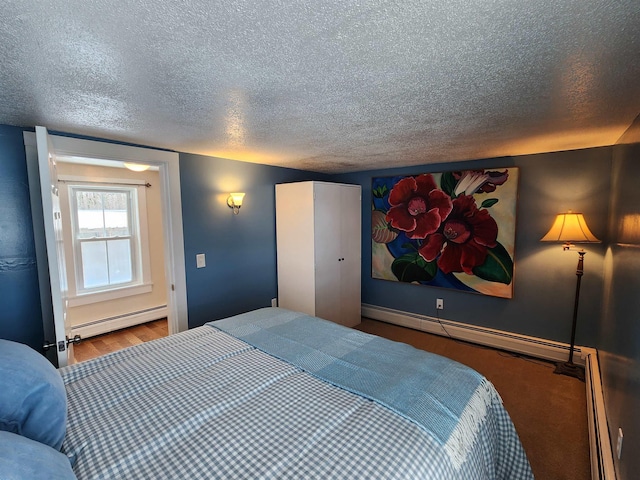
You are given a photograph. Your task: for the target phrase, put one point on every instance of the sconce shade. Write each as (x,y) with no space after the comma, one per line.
(136,167)
(235,201)
(629,230)
(570,227)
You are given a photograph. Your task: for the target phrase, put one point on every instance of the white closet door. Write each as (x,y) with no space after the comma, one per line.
(295,247)
(328,261)
(350,247)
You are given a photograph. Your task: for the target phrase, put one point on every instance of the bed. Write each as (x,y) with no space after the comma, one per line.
(279,394)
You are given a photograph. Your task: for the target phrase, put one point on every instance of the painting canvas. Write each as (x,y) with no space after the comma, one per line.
(451,230)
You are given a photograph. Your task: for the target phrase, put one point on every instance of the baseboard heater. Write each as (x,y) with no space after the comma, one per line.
(602,461)
(109,324)
(602,464)
(533,346)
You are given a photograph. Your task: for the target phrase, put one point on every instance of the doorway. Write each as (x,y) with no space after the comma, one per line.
(88,152)
(113,245)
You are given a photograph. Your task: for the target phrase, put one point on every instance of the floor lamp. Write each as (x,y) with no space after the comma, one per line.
(571,228)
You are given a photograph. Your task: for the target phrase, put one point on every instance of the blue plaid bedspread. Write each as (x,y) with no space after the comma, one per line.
(204,404)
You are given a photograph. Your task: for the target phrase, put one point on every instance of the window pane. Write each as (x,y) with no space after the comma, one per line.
(88,200)
(90,214)
(94,264)
(116,213)
(120,261)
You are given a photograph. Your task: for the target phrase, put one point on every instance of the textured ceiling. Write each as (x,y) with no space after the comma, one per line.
(331,86)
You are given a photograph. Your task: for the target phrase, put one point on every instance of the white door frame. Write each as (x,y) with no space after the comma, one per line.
(49,193)
(169,168)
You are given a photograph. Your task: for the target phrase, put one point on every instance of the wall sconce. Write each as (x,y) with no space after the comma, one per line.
(568,228)
(136,167)
(235,201)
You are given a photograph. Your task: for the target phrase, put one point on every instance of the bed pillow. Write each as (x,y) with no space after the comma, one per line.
(22,458)
(33,400)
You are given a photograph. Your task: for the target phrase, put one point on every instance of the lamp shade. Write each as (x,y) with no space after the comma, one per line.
(629,230)
(235,199)
(570,227)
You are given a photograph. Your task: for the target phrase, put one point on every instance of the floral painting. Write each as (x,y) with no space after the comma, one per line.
(451,230)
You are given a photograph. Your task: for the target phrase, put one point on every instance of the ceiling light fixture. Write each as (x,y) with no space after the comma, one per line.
(136,167)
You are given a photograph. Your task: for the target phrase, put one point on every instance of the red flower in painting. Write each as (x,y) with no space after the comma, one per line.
(418,206)
(463,238)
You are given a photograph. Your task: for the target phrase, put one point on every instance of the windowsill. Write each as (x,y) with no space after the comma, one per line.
(114,294)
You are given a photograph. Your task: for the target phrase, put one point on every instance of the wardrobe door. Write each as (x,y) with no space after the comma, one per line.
(328,220)
(295,247)
(350,255)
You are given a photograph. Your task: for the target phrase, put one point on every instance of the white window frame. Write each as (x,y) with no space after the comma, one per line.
(141,283)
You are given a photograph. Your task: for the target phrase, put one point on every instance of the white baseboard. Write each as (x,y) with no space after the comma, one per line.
(602,465)
(513,342)
(106,325)
(602,462)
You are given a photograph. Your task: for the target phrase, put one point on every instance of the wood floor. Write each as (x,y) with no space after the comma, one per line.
(110,342)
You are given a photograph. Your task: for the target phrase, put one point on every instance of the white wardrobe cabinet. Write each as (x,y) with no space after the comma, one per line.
(318,227)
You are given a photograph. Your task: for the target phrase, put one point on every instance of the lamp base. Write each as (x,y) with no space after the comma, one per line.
(570,369)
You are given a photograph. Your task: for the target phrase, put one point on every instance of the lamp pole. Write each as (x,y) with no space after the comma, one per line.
(570,368)
(579,273)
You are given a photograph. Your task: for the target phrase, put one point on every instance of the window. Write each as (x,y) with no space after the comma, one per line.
(104,237)
(108,227)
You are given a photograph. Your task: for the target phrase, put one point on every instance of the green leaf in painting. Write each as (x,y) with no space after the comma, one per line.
(380,230)
(489,202)
(448,184)
(498,267)
(380,192)
(413,268)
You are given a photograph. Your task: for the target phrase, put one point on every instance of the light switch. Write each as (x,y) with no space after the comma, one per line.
(200,261)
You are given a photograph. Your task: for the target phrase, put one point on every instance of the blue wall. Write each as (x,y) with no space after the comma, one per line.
(544,279)
(20,314)
(240,249)
(619,339)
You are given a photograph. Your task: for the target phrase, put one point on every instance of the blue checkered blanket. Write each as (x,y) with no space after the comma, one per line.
(413,383)
(204,404)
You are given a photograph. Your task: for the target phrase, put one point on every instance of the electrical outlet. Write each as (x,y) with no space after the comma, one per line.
(200,261)
(619,445)
(274,302)
(439,304)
